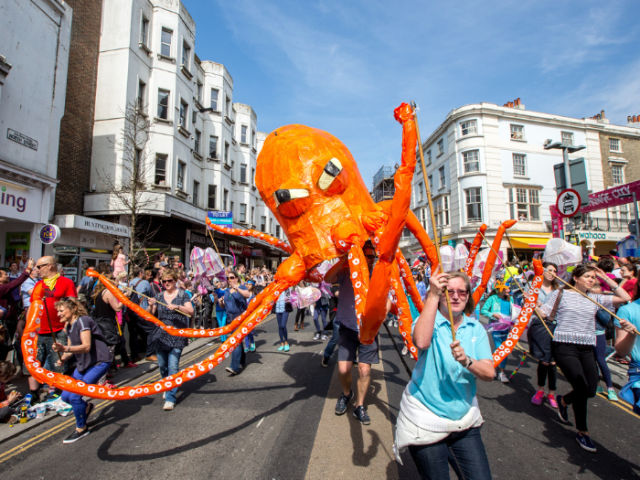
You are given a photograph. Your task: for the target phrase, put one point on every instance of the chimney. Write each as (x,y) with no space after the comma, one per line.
(517,103)
(633,121)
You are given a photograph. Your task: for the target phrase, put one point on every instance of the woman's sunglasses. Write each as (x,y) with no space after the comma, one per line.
(165,282)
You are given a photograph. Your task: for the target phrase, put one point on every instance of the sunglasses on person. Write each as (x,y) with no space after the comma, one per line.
(459,293)
(43,265)
(231,277)
(168,282)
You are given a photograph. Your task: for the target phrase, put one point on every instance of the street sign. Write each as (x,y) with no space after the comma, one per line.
(568,203)
(578,178)
(222,218)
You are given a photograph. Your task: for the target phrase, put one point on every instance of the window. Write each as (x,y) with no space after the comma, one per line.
(196,188)
(226,152)
(473,198)
(211,197)
(214,99)
(227,104)
(163,104)
(430,178)
(142,88)
(524,204)
(253,138)
(271,226)
(225,198)
(567,138)
(469,127)
(443,180)
(617,172)
(243,213)
(180,182)
(243,134)
(243,173)
(233,169)
(144,31)
(253,211)
(517,132)
(184,109)
(165,42)
(199,91)
(614,145)
(263,224)
(420,192)
(278,231)
(213,146)
(423,218)
(253,176)
(231,208)
(186,54)
(161,170)
(471,161)
(441,210)
(440,147)
(194,116)
(196,142)
(519,165)
(428,157)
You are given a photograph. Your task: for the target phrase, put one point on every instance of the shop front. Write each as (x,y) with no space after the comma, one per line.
(25,205)
(599,243)
(527,247)
(84,243)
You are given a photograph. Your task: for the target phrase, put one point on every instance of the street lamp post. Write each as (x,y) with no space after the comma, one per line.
(566,150)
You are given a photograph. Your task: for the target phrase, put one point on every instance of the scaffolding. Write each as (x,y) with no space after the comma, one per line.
(383,187)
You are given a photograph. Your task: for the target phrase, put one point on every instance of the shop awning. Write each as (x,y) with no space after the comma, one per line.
(529,242)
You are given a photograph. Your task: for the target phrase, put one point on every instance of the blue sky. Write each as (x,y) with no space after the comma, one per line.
(343,66)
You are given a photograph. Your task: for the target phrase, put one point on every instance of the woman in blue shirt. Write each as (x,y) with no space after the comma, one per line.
(628,343)
(498,306)
(439,416)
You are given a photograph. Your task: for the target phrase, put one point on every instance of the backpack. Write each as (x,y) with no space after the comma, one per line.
(135,296)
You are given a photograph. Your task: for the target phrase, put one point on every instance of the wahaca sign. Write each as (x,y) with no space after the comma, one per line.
(612,197)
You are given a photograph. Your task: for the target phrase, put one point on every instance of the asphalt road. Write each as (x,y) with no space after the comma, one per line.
(264,424)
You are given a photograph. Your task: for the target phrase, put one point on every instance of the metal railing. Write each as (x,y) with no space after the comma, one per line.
(384,172)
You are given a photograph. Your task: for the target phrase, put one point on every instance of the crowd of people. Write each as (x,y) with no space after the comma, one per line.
(571,330)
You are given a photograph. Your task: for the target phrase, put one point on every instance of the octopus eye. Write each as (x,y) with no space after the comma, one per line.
(292,202)
(332,169)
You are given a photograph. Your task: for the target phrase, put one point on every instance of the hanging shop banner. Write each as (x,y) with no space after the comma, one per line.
(612,197)
(17,249)
(246,251)
(236,248)
(257,252)
(220,218)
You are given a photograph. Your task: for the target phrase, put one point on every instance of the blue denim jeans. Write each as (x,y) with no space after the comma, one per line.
(248,340)
(333,342)
(169,364)
(498,338)
(91,375)
(221,315)
(317,311)
(282,318)
(46,356)
(463,450)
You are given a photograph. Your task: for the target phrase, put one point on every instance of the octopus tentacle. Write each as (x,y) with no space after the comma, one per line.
(409,283)
(491,260)
(289,274)
(475,248)
(405,320)
(276,242)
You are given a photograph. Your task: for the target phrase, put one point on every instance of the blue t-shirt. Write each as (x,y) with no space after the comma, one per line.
(220,293)
(234,303)
(438,380)
(144,287)
(505,307)
(631,312)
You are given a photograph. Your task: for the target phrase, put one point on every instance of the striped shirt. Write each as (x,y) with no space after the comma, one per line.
(576,316)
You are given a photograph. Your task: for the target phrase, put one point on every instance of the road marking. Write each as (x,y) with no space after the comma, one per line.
(54,430)
(260,422)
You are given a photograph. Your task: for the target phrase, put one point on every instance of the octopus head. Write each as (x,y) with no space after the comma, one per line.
(311,183)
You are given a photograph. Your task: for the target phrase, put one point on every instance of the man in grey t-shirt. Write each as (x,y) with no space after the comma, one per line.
(349,347)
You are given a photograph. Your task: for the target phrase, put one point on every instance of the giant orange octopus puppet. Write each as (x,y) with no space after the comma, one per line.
(311,183)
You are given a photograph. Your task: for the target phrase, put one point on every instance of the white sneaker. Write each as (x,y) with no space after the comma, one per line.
(395,324)
(168,406)
(405,350)
(390,323)
(316,336)
(324,338)
(503,378)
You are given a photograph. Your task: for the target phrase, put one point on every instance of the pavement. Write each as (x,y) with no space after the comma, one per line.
(275,421)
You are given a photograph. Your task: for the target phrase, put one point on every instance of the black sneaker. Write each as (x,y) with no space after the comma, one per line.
(325,361)
(343,401)
(585,442)
(361,414)
(562,410)
(75,436)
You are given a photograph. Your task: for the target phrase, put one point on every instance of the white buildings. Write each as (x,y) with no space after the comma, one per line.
(202,150)
(487,164)
(34,53)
